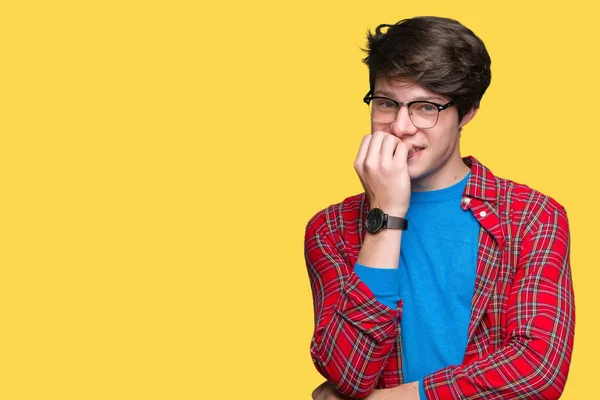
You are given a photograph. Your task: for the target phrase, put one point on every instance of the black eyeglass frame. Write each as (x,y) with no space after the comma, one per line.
(367,99)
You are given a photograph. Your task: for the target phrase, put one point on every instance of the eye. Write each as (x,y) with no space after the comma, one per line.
(385,104)
(425,108)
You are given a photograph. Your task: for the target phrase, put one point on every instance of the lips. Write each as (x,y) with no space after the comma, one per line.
(414,151)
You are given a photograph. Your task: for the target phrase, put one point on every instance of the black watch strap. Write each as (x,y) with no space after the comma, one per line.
(395,222)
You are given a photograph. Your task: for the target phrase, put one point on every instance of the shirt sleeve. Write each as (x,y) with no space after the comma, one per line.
(354,333)
(383,283)
(422,394)
(534,359)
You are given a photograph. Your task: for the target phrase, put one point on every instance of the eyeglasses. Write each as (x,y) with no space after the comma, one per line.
(423,114)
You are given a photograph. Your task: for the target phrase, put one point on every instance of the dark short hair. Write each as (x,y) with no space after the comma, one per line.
(440,54)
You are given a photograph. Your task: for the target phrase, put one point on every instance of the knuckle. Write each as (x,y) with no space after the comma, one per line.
(370,166)
(364,143)
(386,170)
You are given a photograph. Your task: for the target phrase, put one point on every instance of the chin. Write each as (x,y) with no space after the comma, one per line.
(415,173)
(416,168)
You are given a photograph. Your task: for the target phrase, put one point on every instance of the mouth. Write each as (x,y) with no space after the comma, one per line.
(415,150)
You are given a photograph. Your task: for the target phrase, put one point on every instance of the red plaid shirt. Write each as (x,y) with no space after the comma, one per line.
(520,335)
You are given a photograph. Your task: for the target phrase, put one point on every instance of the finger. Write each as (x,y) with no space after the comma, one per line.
(329,394)
(401,153)
(388,147)
(316,393)
(374,149)
(318,390)
(362,153)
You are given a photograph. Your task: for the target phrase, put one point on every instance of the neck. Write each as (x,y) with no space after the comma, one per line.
(448,175)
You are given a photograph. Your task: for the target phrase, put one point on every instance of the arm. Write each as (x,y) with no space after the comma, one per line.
(540,323)
(354,333)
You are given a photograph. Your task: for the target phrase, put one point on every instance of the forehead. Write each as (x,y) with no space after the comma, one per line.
(403,90)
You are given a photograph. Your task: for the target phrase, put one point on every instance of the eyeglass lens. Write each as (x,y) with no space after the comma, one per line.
(422,114)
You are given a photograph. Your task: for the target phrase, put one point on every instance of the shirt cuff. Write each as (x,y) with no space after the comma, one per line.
(383,283)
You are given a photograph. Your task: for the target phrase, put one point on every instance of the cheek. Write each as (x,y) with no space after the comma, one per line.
(379,127)
(445,136)
(440,144)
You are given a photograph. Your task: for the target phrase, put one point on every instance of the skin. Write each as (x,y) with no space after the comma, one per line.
(389,168)
(409,391)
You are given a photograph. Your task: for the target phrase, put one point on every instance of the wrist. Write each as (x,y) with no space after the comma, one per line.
(393,211)
(399,213)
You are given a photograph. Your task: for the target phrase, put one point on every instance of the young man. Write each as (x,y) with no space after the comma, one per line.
(441,280)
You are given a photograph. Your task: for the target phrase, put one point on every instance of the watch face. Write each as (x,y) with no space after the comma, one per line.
(375,220)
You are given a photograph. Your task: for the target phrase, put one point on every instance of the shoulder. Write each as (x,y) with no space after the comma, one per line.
(526,206)
(346,215)
(508,195)
(518,195)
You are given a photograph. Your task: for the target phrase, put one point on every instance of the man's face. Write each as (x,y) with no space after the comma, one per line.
(436,162)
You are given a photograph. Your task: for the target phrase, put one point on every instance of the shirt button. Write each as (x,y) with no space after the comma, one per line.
(482,214)
(466,200)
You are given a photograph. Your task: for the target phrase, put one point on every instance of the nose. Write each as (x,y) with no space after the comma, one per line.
(402,125)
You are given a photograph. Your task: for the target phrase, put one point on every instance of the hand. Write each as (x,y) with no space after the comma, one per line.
(381,165)
(327,392)
(409,391)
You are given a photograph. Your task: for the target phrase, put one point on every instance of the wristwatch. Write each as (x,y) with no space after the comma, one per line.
(377,220)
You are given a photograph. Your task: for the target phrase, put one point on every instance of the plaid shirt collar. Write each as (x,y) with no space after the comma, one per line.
(481,197)
(482,183)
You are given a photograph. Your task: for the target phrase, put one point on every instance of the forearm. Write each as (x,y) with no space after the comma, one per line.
(377,265)
(533,362)
(381,250)
(516,371)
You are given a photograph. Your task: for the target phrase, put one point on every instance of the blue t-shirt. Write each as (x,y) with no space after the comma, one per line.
(435,280)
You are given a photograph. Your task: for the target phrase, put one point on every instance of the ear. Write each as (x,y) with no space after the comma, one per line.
(468,117)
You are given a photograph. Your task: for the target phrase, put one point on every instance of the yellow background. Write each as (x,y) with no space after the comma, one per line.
(159,161)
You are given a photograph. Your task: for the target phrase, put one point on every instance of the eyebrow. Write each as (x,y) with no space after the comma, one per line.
(418,98)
